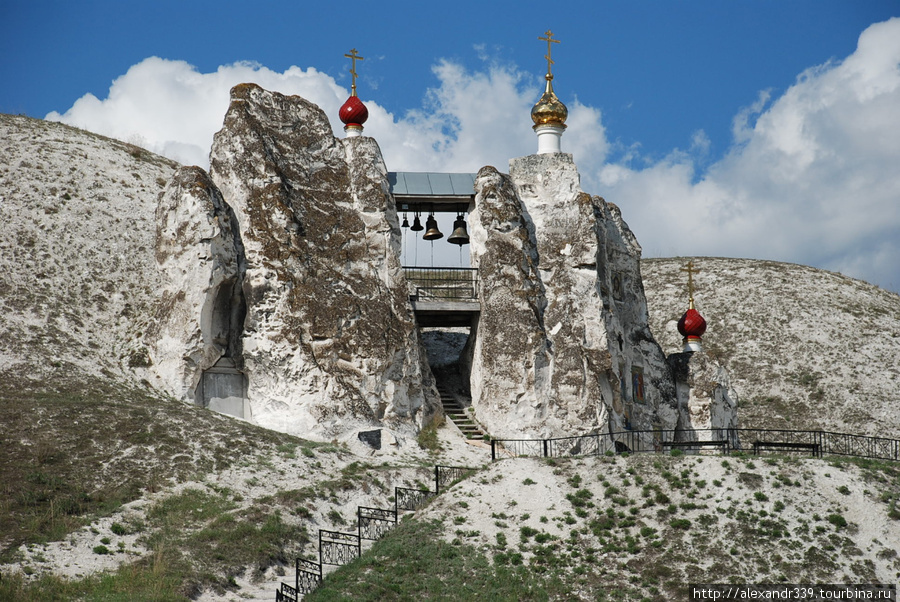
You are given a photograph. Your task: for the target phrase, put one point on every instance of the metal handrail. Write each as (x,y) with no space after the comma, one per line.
(442,283)
(735,439)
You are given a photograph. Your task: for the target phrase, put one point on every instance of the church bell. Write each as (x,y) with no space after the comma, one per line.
(417,224)
(459,236)
(405,223)
(432,232)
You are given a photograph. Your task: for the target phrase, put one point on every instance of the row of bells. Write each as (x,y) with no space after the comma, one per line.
(459,236)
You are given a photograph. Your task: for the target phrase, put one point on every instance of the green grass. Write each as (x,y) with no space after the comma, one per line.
(149,582)
(63,468)
(431,569)
(428,438)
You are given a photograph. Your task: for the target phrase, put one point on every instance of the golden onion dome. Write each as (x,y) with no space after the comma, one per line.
(549,110)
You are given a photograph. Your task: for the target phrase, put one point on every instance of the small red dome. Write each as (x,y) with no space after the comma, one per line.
(354,112)
(692,324)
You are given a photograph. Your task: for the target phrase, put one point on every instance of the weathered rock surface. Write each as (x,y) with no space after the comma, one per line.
(329,339)
(563,344)
(704,390)
(79,287)
(201,263)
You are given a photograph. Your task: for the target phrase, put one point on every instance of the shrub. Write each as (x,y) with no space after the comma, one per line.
(680,523)
(837,520)
(101,550)
(428,438)
(118,529)
(501,540)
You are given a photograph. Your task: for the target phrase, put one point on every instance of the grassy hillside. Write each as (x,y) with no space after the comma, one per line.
(637,528)
(194,503)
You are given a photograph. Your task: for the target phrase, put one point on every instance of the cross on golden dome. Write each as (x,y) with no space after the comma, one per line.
(353,56)
(549,39)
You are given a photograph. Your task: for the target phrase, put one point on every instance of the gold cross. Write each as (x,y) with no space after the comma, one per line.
(691,270)
(549,39)
(353,56)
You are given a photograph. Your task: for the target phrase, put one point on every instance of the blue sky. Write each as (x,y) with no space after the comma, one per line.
(704,121)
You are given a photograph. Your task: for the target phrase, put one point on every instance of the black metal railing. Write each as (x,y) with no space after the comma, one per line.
(373,523)
(337,548)
(446,476)
(309,575)
(725,440)
(411,499)
(445,284)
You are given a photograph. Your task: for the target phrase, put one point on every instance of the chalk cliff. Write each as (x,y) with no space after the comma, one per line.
(320,325)
(563,344)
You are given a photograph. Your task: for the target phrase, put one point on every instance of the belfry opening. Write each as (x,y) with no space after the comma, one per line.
(434,210)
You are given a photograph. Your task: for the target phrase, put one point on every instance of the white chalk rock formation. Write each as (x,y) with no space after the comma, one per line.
(704,389)
(563,344)
(200,257)
(329,340)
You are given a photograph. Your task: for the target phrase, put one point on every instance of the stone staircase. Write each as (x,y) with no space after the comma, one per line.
(454,410)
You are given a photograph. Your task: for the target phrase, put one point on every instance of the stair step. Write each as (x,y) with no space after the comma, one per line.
(454,410)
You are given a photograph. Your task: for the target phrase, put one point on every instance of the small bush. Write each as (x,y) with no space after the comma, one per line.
(102,550)
(428,438)
(335,517)
(837,520)
(525,532)
(680,523)
(501,540)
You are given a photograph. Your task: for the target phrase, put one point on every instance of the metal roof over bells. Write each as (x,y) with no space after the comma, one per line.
(446,192)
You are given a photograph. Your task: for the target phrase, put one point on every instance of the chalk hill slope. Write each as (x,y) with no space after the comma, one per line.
(805,348)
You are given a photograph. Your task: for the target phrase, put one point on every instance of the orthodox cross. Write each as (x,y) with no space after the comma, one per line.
(549,39)
(691,270)
(353,56)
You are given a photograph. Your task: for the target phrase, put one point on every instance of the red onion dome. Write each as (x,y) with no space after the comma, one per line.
(692,324)
(354,112)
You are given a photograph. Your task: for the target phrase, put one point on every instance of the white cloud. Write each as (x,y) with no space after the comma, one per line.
(812,176)
(176,110)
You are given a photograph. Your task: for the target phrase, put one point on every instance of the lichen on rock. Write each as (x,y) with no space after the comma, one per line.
(563,344)
(330,340)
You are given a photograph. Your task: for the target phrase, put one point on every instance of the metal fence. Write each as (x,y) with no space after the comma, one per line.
(817,443)
(446,476)
(337,548)
(373,523)
(309,575)
(446,284)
